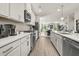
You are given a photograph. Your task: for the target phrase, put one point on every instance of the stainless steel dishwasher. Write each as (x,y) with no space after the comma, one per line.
(70,47)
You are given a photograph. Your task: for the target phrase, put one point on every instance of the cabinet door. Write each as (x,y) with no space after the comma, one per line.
(17,11)
(4,9)
(55,40)
(21,12)
(28,47)
(14,11)
(25,48)
(15,52)
(52,38)
(59,44)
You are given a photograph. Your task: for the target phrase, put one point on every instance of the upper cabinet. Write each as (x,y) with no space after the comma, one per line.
(21,12)
(4,9)
(17,11)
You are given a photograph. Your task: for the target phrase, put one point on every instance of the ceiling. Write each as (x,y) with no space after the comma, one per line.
(51,9)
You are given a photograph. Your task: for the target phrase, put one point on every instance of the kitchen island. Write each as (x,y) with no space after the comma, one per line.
(66,44)
(18,45)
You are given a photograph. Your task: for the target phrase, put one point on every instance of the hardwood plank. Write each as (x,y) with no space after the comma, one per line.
(44,47)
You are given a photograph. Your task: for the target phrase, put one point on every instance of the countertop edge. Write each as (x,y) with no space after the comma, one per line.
(17,37)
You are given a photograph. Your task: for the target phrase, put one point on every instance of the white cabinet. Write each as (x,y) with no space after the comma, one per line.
(57,40)
(25,46)
(21,12)
(15,52)
(14,11)
(9,48)
(17,11)
(54,39)
(60,44)
(20,47)
(4,9)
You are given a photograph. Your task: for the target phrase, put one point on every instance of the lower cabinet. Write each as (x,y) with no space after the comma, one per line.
(15,52)
(64,45)
(57,42)
(60,44)
(21,47)
(9,48)
(25,46)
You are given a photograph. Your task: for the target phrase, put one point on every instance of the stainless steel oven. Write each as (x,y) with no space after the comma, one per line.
(77,26)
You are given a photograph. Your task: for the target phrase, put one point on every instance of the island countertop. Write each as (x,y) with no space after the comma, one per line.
(73,36)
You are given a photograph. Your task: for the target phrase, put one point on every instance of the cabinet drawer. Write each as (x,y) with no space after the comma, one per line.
(24,39)
(8,48)
(15,52)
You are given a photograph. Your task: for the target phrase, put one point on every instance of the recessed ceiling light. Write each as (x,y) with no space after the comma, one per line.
(58,10)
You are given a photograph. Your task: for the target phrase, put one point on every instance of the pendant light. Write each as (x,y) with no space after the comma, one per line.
(62,16)
(40,10)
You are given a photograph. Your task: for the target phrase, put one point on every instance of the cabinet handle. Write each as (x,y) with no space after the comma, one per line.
(27,43)
(7,50)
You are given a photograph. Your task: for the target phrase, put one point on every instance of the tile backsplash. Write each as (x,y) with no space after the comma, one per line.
(19,26)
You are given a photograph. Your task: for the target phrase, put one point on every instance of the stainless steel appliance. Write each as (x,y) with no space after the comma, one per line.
(27,16)
(70,47)
(7,30)
(11,28)
(77,26)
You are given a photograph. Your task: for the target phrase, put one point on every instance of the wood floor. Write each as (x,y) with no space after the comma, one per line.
(44,47)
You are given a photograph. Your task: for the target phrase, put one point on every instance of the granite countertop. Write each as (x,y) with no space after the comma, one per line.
(7,40)
(73,36)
